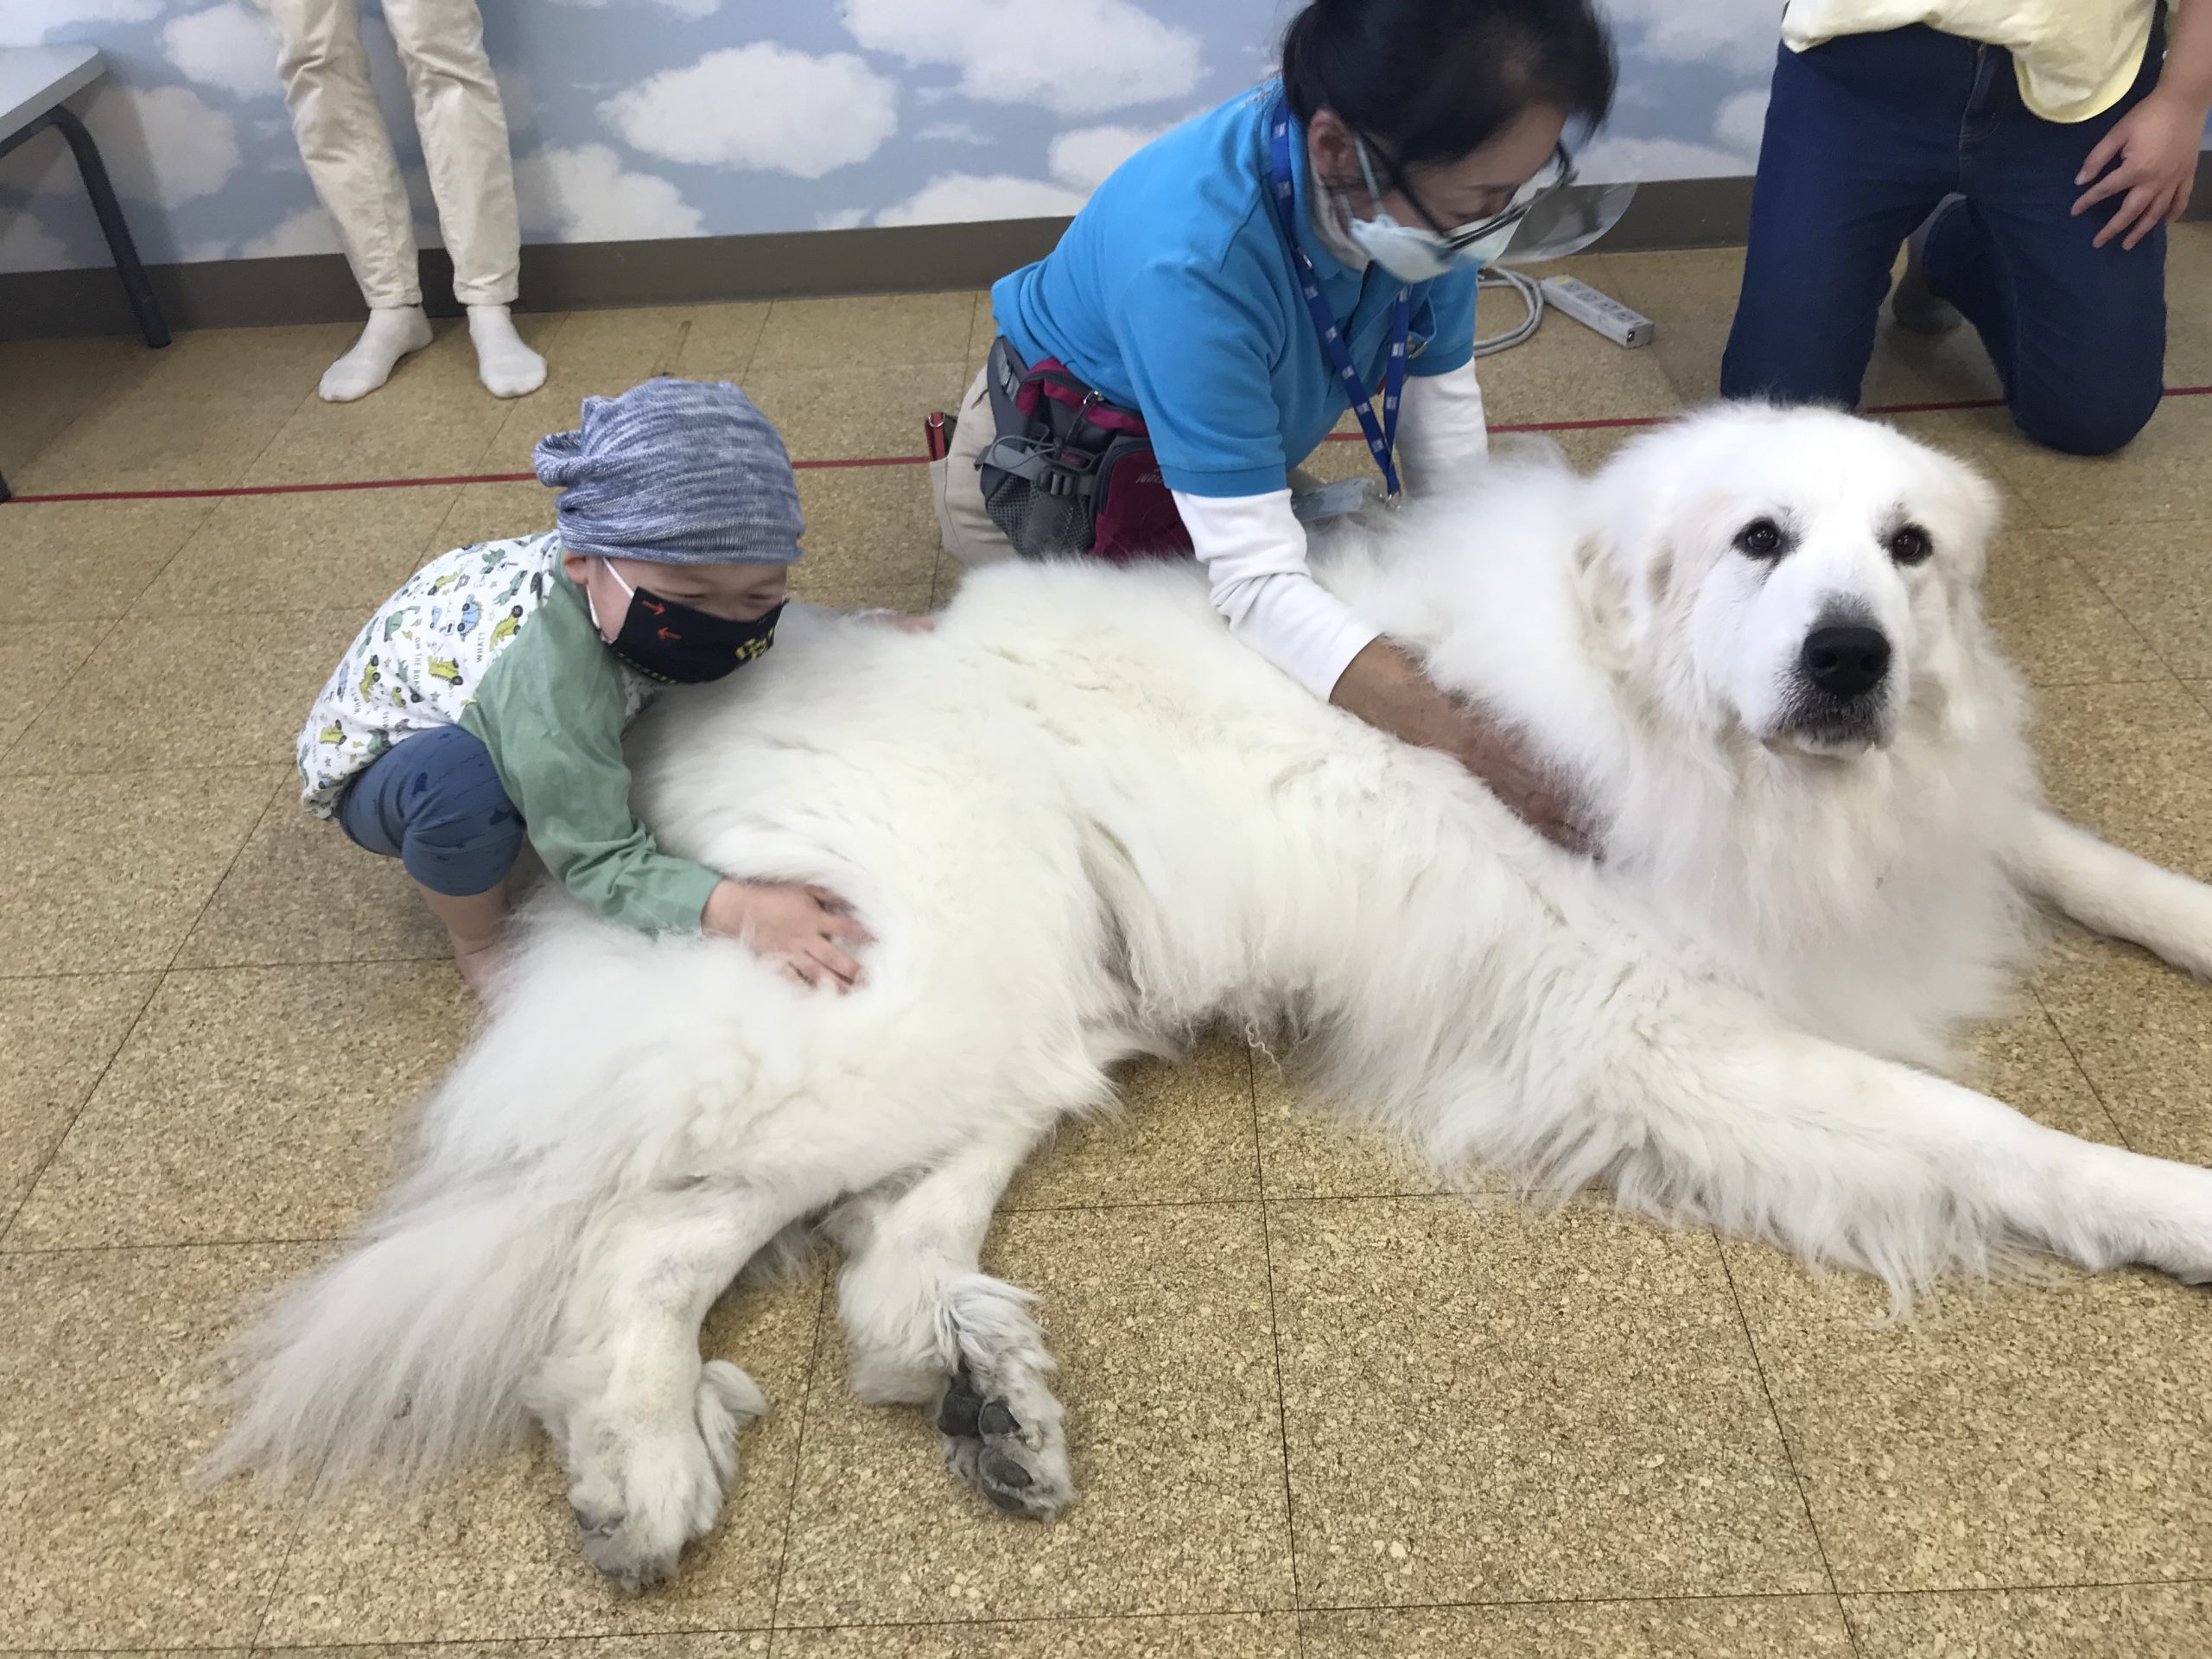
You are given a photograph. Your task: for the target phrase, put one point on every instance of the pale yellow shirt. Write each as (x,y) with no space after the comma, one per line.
(2073,59)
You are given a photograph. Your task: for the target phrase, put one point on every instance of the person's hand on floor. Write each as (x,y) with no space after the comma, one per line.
(806,931)
(2149,161)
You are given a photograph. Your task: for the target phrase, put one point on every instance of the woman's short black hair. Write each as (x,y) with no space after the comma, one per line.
(1433,80)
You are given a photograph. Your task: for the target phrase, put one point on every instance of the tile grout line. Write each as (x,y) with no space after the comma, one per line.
(1782,1432)
(1696,1596)
(798,1452)
(1213,1615)
(2067,1043)
(227,967)
(160,978)
(2089,575)
(114,623)
(61,690)
(247,1240)
(1275,1338)
(15,1213)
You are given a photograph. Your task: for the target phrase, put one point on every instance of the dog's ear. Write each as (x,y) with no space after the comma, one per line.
(1954,666)
(1979,508)
(1637,508)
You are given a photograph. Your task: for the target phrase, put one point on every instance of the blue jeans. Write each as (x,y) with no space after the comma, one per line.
(1865,135)
(433,800)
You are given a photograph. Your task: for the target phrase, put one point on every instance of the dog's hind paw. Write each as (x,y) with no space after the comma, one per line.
(654,1493)
(1007,1446)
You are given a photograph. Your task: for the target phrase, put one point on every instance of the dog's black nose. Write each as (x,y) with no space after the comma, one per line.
(1847,660)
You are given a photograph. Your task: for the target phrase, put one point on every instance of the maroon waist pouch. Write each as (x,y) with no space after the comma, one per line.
(1070,472)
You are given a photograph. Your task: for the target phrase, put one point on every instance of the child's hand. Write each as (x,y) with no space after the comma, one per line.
(898,619)
(798,928)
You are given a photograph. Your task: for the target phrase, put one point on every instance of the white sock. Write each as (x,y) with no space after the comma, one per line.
(391,333)
(507,367)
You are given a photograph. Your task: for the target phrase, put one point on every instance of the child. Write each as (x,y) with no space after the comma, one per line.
(486,701)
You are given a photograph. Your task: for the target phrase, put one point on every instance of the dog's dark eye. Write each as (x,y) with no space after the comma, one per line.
(1760,540)
(1908,545)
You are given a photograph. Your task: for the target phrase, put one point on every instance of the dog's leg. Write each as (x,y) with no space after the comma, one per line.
(648,1435)
(2115,892)
(1845,1158)
(928,1327)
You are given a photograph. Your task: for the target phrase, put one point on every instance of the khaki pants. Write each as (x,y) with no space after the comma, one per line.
(969,534)
(349,156)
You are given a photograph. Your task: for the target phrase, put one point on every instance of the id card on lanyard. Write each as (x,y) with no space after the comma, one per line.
(1381,436)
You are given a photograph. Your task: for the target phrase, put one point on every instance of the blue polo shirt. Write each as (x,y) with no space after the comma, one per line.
(1172,294)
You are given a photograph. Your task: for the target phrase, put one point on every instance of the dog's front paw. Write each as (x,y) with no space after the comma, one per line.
(1008,1446)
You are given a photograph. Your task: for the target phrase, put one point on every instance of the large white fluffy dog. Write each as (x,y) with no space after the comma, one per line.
(1084,821)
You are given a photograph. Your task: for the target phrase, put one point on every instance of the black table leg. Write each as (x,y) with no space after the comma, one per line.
(135,288)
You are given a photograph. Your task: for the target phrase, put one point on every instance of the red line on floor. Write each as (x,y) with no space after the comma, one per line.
(1939,407)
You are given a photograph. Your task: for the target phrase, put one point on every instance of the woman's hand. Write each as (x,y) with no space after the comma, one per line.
(1522,782)
(804,931)
(2152,153)
(1388,689)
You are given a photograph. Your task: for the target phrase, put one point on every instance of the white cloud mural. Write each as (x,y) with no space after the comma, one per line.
(26,244)
(1740,123)
(309,230)
(1082,57)
(956,198)
(653,118)
(584,194)
(681,8)
(24,24)
(1082,159)
(1737,35)
(761,106)
(163,148)
(231,47)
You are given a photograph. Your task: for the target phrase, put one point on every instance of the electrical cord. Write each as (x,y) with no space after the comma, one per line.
(1531,296)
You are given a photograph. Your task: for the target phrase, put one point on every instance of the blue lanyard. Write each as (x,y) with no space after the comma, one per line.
(1379,438)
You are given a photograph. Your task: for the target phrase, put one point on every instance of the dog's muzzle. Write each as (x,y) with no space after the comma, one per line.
(1840,699)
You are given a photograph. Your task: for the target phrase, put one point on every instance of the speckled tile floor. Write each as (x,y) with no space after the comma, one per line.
(1317,1406)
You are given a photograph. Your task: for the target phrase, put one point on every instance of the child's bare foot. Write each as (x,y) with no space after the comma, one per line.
(475,922)
(476,963)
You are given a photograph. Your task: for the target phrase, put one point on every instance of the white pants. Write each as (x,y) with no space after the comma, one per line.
(349,155)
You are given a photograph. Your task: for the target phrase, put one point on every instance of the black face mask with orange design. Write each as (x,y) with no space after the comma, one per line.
(663,640)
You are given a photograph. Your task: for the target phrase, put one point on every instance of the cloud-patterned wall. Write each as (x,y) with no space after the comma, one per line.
(643,118)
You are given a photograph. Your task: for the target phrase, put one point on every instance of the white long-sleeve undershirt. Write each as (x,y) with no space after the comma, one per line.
(1254,547)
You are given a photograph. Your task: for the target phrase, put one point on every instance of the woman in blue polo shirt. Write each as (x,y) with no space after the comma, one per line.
(1390,161)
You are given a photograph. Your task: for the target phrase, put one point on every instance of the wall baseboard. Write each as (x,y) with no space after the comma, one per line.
(584,276)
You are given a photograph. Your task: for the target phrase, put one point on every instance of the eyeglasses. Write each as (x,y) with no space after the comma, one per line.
(1554,177)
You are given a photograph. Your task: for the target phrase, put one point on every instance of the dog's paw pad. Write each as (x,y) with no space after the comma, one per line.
(1020,1468)
(959,1413)
(596,1523)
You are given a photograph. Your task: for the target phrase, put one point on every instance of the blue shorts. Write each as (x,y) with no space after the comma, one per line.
(434,801)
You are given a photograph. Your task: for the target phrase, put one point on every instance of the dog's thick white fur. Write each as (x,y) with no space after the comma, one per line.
(1084,821)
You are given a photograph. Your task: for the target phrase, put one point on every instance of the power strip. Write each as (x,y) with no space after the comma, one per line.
(1597,312)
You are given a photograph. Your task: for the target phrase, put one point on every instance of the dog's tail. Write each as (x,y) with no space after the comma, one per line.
(412,1349)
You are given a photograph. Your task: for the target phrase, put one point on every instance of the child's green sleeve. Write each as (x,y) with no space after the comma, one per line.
(550,708)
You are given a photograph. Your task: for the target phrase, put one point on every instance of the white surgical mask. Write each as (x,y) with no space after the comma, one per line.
(1415,254)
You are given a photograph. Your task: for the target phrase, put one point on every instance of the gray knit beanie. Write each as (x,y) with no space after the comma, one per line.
(675,472)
